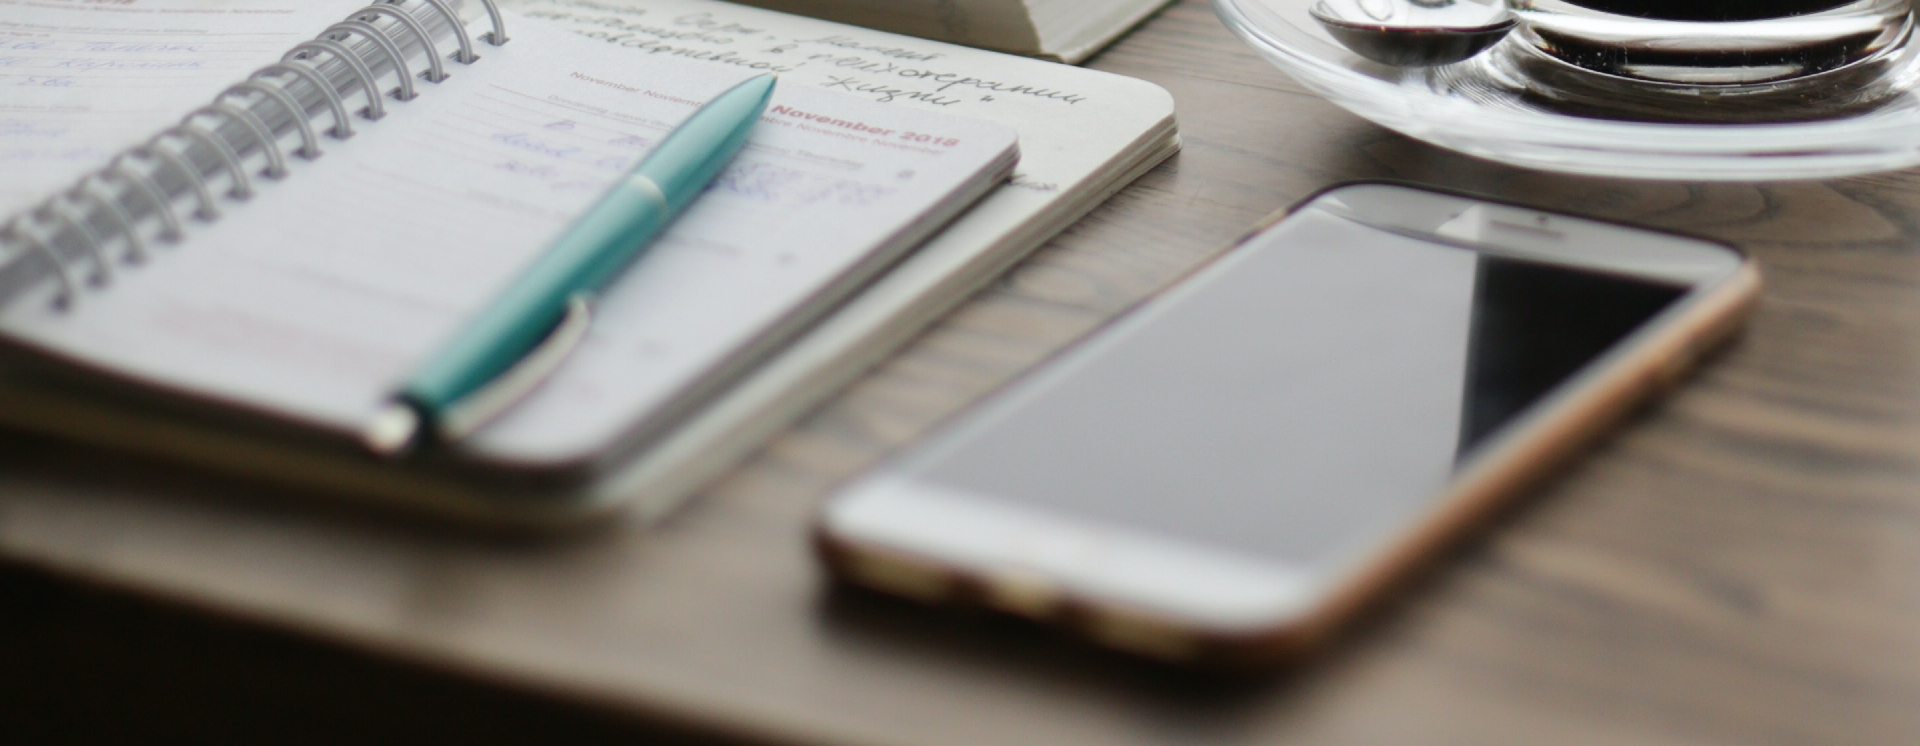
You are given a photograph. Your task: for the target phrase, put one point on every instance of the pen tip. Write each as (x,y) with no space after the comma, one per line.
(392,431)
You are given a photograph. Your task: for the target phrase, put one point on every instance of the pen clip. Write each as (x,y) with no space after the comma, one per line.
(488,402)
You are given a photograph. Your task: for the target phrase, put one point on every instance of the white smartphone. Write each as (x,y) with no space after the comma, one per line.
(1239,463)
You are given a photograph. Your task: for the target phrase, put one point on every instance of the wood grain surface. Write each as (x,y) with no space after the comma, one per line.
(1739,566)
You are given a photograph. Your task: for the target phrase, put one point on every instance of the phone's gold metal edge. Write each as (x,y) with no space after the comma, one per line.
(1549,441)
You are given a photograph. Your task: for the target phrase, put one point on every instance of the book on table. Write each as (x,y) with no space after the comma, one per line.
(228,238)
(1061,30)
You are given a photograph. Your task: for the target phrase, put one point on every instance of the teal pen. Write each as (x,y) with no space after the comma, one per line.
(526,331)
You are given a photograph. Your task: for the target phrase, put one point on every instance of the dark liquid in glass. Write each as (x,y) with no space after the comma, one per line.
(1711,10)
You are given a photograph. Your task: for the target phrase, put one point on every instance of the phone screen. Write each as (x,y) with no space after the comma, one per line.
(1314,389)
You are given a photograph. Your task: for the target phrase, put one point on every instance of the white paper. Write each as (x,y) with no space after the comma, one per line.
(1072,122)
(81,81)
(1083,135)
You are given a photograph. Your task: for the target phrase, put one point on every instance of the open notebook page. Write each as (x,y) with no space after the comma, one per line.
(80,82)
(315,299)
(1083,135)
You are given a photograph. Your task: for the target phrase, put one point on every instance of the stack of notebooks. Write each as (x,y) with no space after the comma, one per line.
(231,228)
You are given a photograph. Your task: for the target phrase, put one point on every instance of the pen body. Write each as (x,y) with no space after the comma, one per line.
(601,243)
(598,246)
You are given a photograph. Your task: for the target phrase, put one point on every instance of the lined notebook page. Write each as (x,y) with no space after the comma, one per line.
(81,81)
(316,298)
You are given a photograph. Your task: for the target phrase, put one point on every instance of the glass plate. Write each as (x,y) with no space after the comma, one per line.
(1516,105)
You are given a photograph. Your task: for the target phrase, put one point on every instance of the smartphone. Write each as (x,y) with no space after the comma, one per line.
(1238,464)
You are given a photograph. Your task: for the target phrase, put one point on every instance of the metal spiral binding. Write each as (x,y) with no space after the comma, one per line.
(369,86)
(170,230)
(241,187)
(18,228)
(263,135)
(91,190)
(434,72)
(466,56)
(347,28)
(77,226)
(209,209)
(342,124)
(64,213)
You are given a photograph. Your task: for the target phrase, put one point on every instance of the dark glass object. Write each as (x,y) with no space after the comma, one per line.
(1711,10)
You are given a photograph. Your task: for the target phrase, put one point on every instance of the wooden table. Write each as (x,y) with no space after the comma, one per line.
(1741,565)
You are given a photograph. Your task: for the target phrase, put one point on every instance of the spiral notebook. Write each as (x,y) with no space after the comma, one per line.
(264,270)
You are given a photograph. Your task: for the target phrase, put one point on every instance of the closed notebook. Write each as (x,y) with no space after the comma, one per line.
(272,264)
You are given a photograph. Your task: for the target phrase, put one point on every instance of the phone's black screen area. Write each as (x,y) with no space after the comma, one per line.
(1315,388)
(1534,326)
